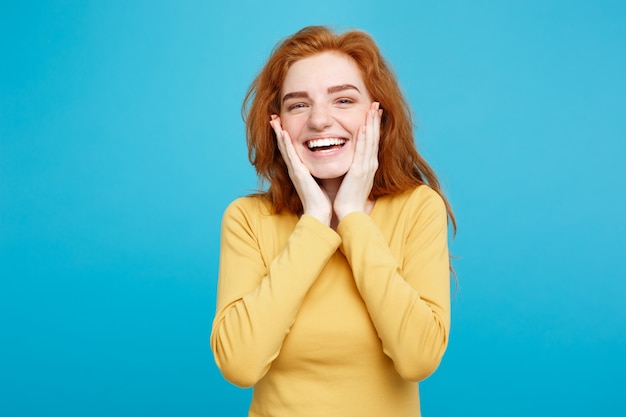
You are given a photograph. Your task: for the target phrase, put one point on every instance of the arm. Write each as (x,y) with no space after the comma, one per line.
(407,295)
(257,301)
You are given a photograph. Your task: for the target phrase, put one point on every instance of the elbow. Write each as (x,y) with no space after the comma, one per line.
(423,360)
(419,367)
(238,375)
(421,357)
(237,366)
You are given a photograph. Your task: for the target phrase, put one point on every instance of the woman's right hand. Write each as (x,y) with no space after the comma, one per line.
(315,201)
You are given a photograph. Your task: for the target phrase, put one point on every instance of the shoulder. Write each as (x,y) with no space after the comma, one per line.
(416,199)
(422,214)
(249,205)
(410,210)
(256,212)
(428,199)
(244,212)
(424,193)
(256,206)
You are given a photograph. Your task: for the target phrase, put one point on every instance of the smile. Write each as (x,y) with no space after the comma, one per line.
(325,144)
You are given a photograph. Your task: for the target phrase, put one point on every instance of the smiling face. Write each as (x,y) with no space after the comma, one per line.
(323,104)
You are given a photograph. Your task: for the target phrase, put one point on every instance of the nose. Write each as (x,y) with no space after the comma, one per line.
(320,117)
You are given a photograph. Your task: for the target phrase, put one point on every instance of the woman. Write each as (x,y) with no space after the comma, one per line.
(333,295)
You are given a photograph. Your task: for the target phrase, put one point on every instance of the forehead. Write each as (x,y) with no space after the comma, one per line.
(322,71)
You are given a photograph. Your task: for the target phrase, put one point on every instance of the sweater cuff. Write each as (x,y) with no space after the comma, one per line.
(353,226)
(316,227)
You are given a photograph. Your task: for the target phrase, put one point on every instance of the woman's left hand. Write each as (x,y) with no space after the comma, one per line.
(356,186)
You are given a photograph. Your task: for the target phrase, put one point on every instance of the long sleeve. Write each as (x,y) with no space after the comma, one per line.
(405,282)
(267,265)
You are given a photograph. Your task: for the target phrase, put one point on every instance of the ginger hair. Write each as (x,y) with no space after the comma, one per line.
(400,167)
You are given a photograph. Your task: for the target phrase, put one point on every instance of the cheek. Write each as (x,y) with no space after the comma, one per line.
(292,125)
(354,120)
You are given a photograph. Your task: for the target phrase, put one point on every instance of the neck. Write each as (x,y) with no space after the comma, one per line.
(331,187)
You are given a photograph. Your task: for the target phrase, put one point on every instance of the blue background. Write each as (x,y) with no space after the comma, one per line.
(121,143)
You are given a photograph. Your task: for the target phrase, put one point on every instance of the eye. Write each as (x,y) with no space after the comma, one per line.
(344,101)
(296,106)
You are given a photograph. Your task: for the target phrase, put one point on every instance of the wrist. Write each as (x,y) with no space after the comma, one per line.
(322,215)
(342,212)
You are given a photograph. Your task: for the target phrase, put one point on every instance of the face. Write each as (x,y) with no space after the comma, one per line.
(324,103)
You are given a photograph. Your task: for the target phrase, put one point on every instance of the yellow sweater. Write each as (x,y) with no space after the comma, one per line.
(326,323)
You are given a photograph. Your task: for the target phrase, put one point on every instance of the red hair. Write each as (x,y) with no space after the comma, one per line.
(400,167)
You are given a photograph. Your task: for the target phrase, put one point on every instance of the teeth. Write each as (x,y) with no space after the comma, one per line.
(319,143)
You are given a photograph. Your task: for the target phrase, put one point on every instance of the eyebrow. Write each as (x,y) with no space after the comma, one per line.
(342,87)
(331,90)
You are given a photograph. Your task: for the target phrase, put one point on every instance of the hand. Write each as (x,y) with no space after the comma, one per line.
(315,201)
(357,185)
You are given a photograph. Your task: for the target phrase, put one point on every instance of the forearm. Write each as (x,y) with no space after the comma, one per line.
(257,305)
(407,296)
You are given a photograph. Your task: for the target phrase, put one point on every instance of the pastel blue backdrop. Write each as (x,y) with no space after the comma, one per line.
(121,143)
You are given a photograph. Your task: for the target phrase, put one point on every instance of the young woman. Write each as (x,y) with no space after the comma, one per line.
(334,284)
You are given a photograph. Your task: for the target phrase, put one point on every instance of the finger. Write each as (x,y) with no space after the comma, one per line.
(361,144)
(280,137)
(372,136)
(276,126)
(286,148)
(378,114)
(374,122)
(289,148)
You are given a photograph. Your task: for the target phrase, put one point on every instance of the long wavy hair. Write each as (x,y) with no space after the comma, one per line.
(400,167)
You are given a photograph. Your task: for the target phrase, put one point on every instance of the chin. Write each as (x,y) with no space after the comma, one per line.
(329,171)
(329,174)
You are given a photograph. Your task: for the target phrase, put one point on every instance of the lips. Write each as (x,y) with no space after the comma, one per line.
(325,144)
